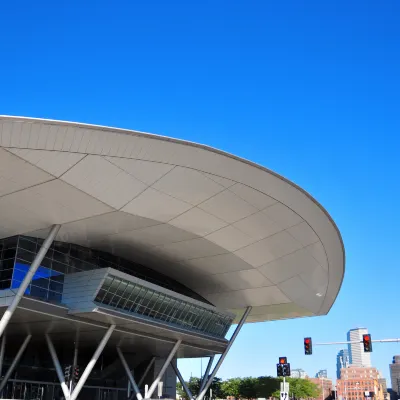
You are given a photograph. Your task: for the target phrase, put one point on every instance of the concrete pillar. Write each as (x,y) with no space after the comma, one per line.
(169,378)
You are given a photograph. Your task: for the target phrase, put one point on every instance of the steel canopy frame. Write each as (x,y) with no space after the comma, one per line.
(206,372)
(163,369)
(223,355)
(14,363)
(182,381)
(129,374)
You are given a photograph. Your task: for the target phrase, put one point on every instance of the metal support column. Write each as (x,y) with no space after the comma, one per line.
(15,362)
(206,373)
(75,360)
(58,368)
(171,355)
(182,381)
(129,374)
(2,350)
(28,277)
(221,360)
(146,371)
(92,362)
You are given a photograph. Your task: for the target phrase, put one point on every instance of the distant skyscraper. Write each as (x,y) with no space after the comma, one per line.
(358,357)
(322,373)
(298,373)
(342,361)
(395,374)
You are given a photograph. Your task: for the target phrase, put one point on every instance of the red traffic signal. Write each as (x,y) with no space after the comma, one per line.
(367,343)
(282,360)
(307,346)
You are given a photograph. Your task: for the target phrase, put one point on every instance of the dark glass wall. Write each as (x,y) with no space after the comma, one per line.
(18,252)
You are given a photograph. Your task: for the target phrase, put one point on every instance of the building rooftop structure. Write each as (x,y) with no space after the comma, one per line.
(162,239)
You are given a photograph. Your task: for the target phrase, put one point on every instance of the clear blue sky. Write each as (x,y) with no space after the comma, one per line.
(307,88)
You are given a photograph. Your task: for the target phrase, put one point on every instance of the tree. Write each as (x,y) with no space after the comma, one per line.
(300,388)
(247,388)
(230,387)
(266,386)
(194,386)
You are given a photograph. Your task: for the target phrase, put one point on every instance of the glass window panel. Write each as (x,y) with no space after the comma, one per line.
(100,295)
(115,300)
(9,253)
(54,296)
(121,288)
(7,264)
(128,305)
(107,282)
(6,274)
(56,286)
(27,244)
(107,298)
(10,242)
(114,285)
(5,284)
(37,291)
(140,292)
(47,263)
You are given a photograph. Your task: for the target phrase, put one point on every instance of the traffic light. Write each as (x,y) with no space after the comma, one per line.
(286,369)
(307,346)
(367,343)
(282,360)
(282,369)
(67,372)
(76,374)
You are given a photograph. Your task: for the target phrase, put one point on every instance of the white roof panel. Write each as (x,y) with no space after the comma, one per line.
(237,232)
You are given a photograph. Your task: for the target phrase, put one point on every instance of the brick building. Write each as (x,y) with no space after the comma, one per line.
(356,382)
(325,386)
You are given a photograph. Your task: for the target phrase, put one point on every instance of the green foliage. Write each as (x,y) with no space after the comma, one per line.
(300,388)
(230,387)
(248,388)
(194,386)
(266,385)
(252,388)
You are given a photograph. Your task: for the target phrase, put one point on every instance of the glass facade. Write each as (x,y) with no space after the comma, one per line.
(131,297)
(18,252)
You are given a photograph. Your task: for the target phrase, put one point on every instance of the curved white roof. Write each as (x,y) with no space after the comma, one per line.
(235,232)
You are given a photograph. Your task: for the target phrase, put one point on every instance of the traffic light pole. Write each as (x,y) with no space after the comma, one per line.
(358,341)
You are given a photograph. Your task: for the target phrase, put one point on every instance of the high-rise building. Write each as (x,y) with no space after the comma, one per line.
(356,382)
(395,375)
(298,373)
(322,373)
(358,357)
(342,361)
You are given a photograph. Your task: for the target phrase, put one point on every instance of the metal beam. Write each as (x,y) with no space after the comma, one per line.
(358,341)
(2,351)
(224,354)
(15,362)
(28,277)
(129,374)
(146,371)
(206,373)
(58,368)
(92,362)
(171,355)
(182,381)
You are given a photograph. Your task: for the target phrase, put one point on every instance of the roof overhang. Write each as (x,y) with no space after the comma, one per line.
(237,233)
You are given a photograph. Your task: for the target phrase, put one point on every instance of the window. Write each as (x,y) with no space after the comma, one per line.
(135,298)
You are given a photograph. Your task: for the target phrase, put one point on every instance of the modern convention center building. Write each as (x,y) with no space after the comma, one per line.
(122,251)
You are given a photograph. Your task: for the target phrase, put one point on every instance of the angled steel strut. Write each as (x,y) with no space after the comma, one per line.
(221,359)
